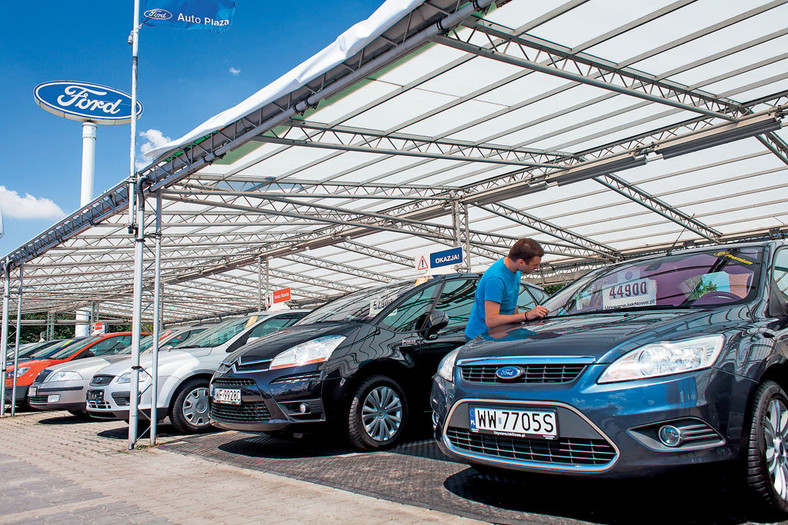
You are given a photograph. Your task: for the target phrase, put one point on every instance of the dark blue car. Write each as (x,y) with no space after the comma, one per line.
(656,363)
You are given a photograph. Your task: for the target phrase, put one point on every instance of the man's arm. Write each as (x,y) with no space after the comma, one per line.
(493,317)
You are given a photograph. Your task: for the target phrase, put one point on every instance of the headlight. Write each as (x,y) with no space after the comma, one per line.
(662,359)
(126,378)
(63,376)
(446,368)
(308,352)
(19,372)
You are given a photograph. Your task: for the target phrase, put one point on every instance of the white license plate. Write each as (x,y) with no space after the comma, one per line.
(227,396)
(33,391)
(541,423)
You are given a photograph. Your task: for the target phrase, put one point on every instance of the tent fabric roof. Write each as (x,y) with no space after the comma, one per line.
(602,129)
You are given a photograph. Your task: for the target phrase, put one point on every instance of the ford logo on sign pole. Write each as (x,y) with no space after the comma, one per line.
(85,102)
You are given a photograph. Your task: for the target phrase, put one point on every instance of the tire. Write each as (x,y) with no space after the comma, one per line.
(378,414)
(189,409)
(767,448)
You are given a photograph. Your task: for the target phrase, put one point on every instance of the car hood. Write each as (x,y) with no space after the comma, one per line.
(272,344)
(602,337)
(168,360)
(89,365)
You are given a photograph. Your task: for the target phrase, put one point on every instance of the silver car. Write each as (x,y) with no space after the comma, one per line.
(63,386)
(184,373)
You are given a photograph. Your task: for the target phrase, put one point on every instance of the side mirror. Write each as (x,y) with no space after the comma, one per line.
(436,322)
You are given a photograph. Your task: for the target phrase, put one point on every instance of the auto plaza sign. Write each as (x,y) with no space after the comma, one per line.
(85,102)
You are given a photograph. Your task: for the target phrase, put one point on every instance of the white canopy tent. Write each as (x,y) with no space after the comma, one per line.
(602,129)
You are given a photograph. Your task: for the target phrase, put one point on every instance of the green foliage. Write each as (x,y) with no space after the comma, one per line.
(550,289)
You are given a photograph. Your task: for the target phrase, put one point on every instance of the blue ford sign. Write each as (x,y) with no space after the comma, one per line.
(509,372)
(85,102)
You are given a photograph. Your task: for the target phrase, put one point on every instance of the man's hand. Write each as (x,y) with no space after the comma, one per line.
(537,312)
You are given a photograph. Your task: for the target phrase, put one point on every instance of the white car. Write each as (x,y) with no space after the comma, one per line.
(184,373)
(63,386)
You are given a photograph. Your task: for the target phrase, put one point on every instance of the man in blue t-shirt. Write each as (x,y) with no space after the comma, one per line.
(499,288)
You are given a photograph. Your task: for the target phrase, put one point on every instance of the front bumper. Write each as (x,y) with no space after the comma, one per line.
(603,430)
(60,395)
(270,401)
(21,394)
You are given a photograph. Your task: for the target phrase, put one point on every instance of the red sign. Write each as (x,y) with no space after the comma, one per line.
(281,296)
(98,328)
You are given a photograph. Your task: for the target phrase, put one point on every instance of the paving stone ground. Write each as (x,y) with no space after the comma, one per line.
(56,469)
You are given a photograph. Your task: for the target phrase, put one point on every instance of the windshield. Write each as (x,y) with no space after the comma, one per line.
(221,333)
(48,351)
(690,280)
(358,306)
(73,347)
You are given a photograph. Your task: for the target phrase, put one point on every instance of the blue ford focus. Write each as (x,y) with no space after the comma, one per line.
(665,361)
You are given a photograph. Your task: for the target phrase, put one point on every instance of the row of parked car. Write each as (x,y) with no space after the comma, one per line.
(662,362)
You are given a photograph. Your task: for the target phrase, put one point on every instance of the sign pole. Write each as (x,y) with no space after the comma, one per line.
(136,227)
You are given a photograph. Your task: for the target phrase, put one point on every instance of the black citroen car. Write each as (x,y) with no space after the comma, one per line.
(363,361)
(658,363)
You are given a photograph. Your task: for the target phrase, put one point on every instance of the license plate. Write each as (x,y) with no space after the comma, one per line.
(227,396)
(33,391)
(541,423)
(95,395)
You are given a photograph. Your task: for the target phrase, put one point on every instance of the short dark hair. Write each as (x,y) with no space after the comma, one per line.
(525,249)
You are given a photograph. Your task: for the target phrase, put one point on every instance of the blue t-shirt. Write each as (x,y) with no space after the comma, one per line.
(500,285)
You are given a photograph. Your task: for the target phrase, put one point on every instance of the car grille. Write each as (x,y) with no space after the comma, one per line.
(100,405)
(224,382)
(38,400)
(566,451)
(309,376)
(244,413)
(101,380)
(533,373)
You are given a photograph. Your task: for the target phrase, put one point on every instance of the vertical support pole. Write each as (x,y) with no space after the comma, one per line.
(4,330)
(259,283)
(136,322)
(136,213)
(267,278)
(16,343)
(50,325)
(156,325)
(467,247)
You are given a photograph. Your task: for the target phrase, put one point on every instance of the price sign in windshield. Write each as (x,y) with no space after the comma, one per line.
(641,292)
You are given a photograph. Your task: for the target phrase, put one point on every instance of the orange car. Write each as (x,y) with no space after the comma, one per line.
(79,348)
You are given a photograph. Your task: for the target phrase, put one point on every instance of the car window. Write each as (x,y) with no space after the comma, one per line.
(780,272)
(406,315)
(61,352)
(111,345)
(221,333)
(272,325)
(529,297)
(456,300)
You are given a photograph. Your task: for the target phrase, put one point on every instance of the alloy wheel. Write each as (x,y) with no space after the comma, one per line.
(776,445)
(195,407)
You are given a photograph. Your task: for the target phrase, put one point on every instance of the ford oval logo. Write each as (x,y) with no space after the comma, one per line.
(509,372)
(158,14)
(85,102)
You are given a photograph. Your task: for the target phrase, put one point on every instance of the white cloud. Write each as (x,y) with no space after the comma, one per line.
(28,207)
(235,71)
(153,139)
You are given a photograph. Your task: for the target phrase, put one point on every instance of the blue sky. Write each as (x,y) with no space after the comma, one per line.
(185,77)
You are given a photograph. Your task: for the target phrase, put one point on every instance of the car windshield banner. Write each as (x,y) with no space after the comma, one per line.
(213,15)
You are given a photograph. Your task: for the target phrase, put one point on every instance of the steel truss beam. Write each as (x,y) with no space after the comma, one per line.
(369,141)
(553,230)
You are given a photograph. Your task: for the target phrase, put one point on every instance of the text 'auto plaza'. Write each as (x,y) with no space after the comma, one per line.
(308,261)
